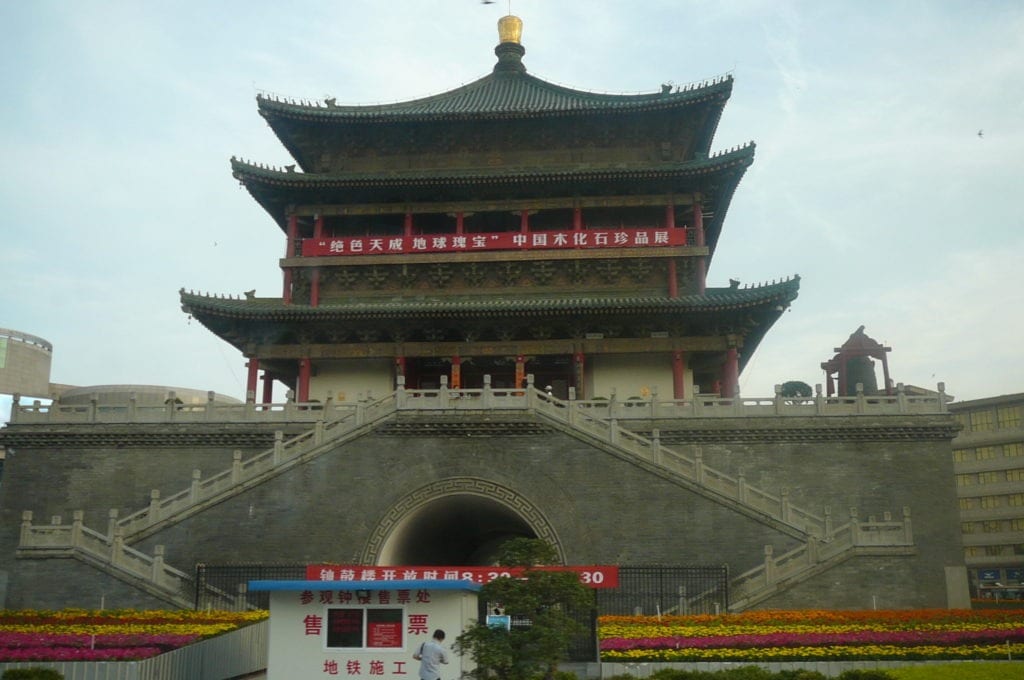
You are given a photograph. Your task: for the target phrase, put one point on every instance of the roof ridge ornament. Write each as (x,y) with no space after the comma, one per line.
(510,50)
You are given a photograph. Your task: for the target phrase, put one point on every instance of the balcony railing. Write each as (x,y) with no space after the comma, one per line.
(486,398)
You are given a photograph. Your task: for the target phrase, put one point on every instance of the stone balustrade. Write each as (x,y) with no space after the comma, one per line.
(486,398)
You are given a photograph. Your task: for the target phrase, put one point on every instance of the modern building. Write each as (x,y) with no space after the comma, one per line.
(496,321)
(988,457)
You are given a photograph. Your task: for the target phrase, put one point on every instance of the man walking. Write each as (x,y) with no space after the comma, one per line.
(431,655)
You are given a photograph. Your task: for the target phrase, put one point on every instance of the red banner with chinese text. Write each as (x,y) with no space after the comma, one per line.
(593,576)
(506,240)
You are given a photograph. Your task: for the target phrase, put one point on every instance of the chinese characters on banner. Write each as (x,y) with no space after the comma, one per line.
(505,240)
(593,576)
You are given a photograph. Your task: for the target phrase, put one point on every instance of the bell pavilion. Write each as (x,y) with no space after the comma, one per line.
(495,321)
(504,228)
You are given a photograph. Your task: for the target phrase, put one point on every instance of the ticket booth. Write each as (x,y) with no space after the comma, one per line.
(363,629)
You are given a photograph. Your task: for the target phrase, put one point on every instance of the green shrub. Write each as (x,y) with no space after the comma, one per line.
(866,674)
(31,674)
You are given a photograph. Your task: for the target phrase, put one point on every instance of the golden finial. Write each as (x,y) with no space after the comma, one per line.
(510,29)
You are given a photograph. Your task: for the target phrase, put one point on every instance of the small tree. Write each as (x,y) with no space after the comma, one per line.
(541,602)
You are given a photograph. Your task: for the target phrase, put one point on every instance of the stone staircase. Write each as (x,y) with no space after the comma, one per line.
(822,544)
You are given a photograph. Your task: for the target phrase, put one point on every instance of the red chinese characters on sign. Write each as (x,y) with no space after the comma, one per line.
(505,240)
(593,576)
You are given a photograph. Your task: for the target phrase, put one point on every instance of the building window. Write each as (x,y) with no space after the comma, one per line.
(359,628)
(1016,524)
(1008,416)
(965,480)
(981,421)
(1013,450)
(971,551)
(990,477)
(994,550)
(989,502)
(985,453)
(967,527)
(968,503)
(992,526)
(1016,499)
(960,455)
(1015,475)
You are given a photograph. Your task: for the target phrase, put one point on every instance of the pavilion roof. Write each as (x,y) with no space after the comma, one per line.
(716,177)
(498,95)
(780,293)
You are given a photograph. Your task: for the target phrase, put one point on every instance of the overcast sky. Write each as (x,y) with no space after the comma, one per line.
(888,175)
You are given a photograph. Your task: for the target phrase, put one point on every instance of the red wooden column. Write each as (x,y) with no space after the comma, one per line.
(305,370)
(407,225)
(520,371)
(678,374)
(460,223)
(314,286)
(673,280)
(578,364)
(268,388)
(698,227)
(250,383)
(730,373)
(577,219)
(524,221)
(289,251)
(456,380)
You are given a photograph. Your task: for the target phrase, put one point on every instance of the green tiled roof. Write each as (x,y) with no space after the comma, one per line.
(714,300)
(500,95)
(738,157)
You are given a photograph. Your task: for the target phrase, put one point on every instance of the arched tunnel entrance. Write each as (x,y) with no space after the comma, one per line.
(458,521)
(459,529)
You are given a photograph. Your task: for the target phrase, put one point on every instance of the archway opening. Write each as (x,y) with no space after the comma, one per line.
(454,530)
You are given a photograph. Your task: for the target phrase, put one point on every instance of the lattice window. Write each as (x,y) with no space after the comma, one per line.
(1008,416)
(985,453)
(1016,475)
(989,502)
(981,421)
(1013,450)
(990,477)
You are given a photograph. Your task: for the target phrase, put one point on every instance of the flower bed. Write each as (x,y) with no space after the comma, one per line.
(815,636)
(109,635)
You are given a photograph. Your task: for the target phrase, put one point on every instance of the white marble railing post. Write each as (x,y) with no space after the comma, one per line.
(400,394)
(158,564)
(26,527)
(154,505)
(530,396)
(133,405)
(112,515)
(784,504)
(278,447)
(819,400)
(487,396)
(854,527)
(777,400)
(656,446)
(236,466)
(77,516)
(943,406)
(698,464)
(741,487)
(442,391)
(172,404)
(901,398)
(861,402)
(908,529)
(769,565)
(117,547)
(94,401)
(318,432)
(812,551)
(193,490)
(208,406)
(828,523)
(613,431)
(16,407)
(653,403)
